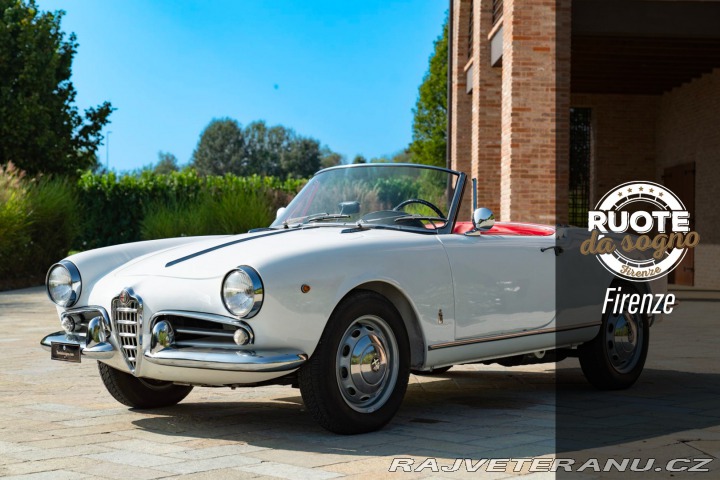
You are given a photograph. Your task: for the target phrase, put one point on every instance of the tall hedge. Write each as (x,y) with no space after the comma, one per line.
(113,208)
(38,223)
(43,218)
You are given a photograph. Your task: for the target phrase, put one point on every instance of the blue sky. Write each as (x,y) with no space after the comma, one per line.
(344,72)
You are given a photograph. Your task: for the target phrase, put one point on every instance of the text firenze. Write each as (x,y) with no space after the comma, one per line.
(638,303)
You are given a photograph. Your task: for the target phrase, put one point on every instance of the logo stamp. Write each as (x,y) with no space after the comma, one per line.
(124,297)
(640,231)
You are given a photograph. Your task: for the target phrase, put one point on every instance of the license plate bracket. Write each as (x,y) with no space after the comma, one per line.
(65,352)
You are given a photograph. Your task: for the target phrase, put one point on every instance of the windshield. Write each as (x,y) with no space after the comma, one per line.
(400,196)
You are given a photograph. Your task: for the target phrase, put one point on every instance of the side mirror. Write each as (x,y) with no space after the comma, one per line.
(280,211)
(483,220)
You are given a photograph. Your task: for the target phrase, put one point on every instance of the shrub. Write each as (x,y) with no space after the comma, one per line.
(54,222)
(38,224)
(224,213)
(14,221)
(43,219)
(130,208)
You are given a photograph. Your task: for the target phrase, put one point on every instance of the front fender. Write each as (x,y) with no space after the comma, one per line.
(418,268)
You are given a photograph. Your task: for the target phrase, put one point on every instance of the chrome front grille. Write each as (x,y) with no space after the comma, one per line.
(127,319)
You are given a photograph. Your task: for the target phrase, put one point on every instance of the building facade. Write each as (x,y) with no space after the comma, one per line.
(554,102)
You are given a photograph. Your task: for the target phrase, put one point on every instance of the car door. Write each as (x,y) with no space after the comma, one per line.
(502,283)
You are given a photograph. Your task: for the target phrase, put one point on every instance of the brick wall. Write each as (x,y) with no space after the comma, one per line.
(623,139)
(535,110)
(688,130)
(461,106)
(486,103)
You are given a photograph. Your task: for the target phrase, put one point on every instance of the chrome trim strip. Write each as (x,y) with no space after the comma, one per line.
(389,165)
(211,317)
(101,351)
(230,360)
(505,336)
(126,310)
(206,333)
(88,309)
(202,344)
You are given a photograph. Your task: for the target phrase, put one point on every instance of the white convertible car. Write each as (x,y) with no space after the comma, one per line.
(366,276)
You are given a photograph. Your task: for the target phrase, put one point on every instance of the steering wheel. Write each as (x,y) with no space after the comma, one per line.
(435,209)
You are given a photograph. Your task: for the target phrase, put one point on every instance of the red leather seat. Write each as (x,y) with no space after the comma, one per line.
(508,228)
(462,227)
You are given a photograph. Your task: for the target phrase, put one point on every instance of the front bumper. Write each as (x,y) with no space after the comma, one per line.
(100,351)
(239,360)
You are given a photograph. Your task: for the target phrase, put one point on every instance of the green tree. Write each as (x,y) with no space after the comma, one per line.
(359,159)
(302,159)
(280,152)
(258,150)
(329,158)
(221,149)
(167,163)
(40,127)
(403,156)
(430,113)
(258,155)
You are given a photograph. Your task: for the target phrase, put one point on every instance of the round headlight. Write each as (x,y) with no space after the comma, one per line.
(242,292)
(64,284)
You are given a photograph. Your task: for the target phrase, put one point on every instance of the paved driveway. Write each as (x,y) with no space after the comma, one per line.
(57,421)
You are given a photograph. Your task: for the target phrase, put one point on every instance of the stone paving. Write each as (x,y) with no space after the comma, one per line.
(57,421)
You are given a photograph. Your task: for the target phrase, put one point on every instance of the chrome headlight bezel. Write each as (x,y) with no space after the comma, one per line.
(254,291)
(74,283)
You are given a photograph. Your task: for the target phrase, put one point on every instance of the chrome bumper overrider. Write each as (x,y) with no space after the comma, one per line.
(256,360)
(100,351)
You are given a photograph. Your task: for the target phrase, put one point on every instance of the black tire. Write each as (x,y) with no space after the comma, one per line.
(434,371)
(141,393)
(340,394)
(608,361)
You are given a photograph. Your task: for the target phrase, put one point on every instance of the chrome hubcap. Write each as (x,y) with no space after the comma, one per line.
(367,364)
(624,340)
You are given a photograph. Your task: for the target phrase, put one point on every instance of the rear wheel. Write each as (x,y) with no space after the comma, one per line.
(138,392)
(357,377)
(615,358)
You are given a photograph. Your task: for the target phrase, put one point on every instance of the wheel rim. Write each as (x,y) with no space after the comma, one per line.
(367,364)
(624,340)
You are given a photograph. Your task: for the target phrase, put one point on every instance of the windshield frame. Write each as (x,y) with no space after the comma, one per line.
(454,205)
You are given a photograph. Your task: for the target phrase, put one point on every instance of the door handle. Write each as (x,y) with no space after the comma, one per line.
(558,249)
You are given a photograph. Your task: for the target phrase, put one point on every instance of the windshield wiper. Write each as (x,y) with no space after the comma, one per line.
(324,216)
(318,217)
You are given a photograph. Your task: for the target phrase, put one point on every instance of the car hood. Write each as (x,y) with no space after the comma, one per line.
(213,257)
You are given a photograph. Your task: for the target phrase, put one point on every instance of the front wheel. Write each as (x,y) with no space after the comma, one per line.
(138,392)
(615,358)
(357,377)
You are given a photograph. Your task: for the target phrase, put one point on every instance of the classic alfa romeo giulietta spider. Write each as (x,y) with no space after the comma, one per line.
(366,276)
